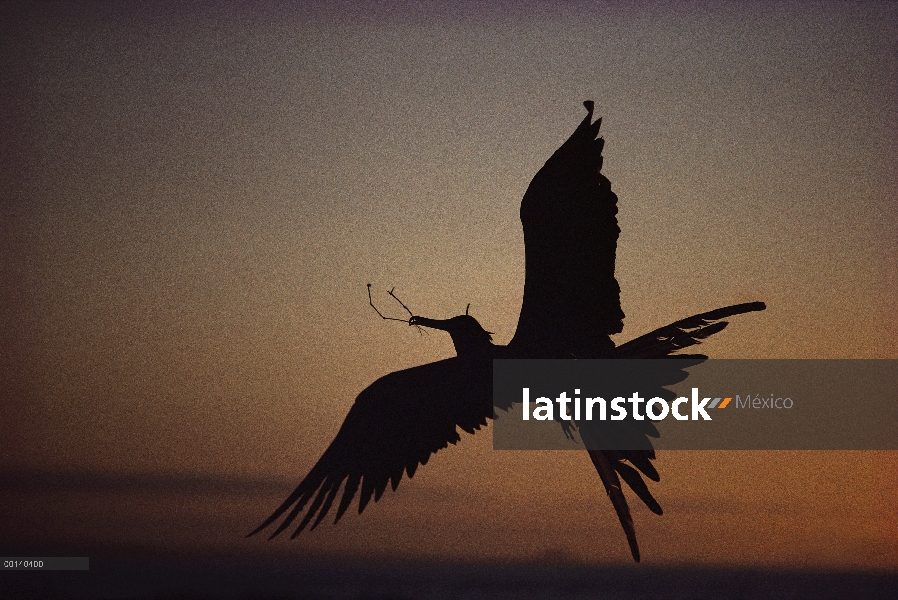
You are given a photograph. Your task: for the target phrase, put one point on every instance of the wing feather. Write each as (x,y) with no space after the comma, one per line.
(352,486)
(666,340)
(618,500)
(633,479)
(319,500)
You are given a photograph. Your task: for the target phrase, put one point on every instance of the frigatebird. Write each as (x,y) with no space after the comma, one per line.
(571,307)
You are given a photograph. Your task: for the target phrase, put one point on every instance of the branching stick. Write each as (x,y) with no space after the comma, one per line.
(371,302)
(382,316)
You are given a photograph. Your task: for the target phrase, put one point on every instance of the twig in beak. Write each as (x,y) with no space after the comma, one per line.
(420,329)
(410,313)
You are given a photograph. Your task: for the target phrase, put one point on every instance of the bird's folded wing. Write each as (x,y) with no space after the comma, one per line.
(394,425)
(571,298)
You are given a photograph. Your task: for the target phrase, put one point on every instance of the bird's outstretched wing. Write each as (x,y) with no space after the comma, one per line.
(571,298)
(571,301)
(394,425)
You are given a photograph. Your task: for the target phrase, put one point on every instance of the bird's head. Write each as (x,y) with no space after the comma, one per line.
(467,334)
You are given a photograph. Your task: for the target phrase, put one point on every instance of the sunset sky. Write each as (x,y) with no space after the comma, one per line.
(193,198)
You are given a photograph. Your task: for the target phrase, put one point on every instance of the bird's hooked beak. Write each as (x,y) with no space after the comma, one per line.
(432,323)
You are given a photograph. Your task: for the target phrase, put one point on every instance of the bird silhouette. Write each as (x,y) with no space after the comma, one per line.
(571,307)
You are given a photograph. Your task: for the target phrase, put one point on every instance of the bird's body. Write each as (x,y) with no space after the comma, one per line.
(571,308)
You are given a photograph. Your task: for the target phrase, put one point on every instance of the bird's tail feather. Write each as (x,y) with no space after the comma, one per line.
(613,488)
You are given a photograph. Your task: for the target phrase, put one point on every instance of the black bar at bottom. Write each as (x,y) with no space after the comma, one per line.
(43,563)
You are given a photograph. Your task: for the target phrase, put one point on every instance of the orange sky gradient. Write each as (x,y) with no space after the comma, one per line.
(194,199)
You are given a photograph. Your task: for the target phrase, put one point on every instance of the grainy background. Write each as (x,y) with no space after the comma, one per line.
(194,197)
